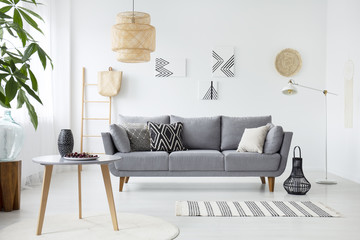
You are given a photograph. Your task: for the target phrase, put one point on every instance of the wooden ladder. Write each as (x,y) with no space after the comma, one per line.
(83,118)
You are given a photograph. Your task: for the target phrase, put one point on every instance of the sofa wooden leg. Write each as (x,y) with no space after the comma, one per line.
(121,184)
(263,180)
(271,181)
(127,179)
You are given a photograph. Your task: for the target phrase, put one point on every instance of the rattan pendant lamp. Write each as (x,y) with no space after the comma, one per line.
(133,38)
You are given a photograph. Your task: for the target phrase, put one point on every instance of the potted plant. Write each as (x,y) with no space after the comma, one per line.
(18,83)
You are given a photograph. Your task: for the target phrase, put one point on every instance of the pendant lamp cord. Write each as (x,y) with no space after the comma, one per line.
(133,17)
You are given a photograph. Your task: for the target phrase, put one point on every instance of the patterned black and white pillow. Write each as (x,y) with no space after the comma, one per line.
(166,137)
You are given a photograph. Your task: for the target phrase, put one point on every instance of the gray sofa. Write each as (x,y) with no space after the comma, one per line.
(211,144)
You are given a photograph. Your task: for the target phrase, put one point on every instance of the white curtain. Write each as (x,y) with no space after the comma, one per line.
(44,140)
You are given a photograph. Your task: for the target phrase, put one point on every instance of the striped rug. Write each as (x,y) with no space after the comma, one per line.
(253,209)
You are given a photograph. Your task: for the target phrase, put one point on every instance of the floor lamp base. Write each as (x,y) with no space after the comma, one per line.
(326,182)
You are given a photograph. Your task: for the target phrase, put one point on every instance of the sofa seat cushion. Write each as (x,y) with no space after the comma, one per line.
(196,160)
(248,161)
(143,161)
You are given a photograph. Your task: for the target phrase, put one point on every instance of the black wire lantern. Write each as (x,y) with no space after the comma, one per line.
(297,184)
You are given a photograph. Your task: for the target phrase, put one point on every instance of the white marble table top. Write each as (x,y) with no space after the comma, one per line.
(57,160)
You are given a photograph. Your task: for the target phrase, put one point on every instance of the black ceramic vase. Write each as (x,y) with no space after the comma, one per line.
(297,184)
(65,142)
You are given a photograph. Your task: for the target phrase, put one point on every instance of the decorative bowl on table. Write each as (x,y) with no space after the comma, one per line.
(80,156)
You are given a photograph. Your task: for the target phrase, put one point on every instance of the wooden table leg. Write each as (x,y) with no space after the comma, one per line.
(79,187)
(109,193)
(44,197)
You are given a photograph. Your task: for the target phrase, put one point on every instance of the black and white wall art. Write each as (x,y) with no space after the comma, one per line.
(170,67)
(223,61)
(208,90)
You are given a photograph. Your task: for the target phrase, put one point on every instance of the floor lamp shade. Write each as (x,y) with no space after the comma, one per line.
(133,38)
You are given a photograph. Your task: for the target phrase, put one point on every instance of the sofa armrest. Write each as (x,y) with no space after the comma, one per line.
(284,151)
(108,143)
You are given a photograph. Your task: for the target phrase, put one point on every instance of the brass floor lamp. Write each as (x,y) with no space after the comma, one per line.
(290,89)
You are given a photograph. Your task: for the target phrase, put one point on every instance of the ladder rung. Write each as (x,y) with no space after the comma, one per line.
(95,118)
(97,101)
(91,84)
(89,136)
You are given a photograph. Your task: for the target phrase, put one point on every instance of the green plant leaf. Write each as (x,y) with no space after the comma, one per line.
(6,1)
(20,98)
(3,15)
(32,113)
(32,13)
(24,69)
(34,82)
(42,56)
(1,34)
(30,92)
(11,89)
(3,101)
(16,1)
(17,18)
(30,21)
(30,50)
(20,76)
(22,35)
(5,9)
(4,75)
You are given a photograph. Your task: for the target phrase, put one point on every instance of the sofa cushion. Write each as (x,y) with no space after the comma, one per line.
(247,161)
(232,129)
(200,133)
(196,160)
(274,140)
(166,137)
(120,138)
(138,119)
(143,161)
(253,139)
(138,135)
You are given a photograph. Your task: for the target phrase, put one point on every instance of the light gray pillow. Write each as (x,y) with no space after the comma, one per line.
(274,139)
(200,133)
(138,134)
(120,138)
(253,139)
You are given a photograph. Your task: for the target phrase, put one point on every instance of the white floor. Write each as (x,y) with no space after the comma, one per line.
(157,196)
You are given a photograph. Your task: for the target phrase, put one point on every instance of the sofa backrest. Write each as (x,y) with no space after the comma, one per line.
(200,133)
(232,129)
(138,119)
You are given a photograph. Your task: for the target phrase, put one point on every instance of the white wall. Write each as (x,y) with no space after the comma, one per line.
(258,29)
(343,44)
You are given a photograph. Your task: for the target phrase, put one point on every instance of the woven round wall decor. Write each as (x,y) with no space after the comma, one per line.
(288,62)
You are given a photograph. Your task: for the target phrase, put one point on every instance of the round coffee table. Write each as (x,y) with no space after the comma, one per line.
(51,160)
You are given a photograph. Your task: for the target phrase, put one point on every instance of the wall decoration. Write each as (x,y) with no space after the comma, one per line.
(170,67)
(288,62)
(208,90)
(349,93)
(223,61)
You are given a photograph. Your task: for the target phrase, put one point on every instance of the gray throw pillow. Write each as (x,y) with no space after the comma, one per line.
(138,135)
(120,138)
(274,139)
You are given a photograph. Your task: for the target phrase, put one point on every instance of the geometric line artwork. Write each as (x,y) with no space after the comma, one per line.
(170,67)
(253,209)
(208,91)
(223,61)
(160,64)
(218,62)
